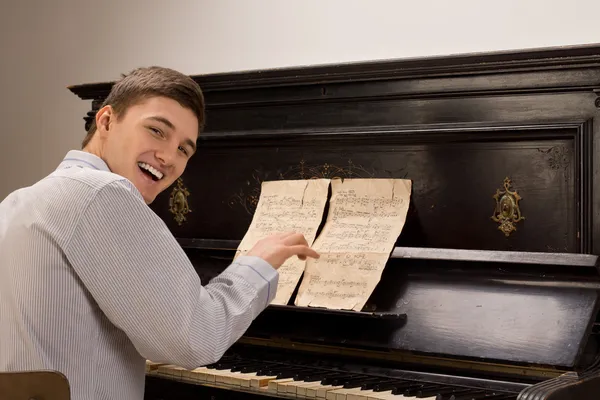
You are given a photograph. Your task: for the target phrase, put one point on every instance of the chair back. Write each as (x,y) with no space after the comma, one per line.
(34,385)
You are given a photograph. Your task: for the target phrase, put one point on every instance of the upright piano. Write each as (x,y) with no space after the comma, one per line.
(492,291)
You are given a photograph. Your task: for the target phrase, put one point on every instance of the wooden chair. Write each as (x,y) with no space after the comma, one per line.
(34,385)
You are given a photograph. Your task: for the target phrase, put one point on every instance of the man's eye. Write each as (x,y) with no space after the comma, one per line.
(156,131)
(182,149)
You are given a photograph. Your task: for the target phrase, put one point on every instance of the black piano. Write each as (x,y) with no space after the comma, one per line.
(492,291)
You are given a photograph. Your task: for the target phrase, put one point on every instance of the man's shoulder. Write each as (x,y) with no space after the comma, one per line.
(92,178)
(91,181)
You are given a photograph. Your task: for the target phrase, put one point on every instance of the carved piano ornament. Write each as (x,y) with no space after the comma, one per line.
(491,289)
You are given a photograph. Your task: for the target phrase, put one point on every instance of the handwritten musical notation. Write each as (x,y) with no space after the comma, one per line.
(365,218)
(292,205)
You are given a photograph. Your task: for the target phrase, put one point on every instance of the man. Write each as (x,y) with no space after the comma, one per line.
(92,283)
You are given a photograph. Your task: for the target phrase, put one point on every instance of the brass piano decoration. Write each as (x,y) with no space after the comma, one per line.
(178,204)
(459,312)
(507,212)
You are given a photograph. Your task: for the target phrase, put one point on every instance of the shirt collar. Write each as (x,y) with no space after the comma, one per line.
(83,159)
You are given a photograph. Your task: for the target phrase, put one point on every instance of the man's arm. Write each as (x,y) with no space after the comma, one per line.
(145,284)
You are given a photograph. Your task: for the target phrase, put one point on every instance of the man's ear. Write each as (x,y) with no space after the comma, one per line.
(104,119)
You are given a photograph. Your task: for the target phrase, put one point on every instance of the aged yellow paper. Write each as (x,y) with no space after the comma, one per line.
(365,218)
(283,206)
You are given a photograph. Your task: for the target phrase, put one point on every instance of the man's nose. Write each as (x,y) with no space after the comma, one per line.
(166,156)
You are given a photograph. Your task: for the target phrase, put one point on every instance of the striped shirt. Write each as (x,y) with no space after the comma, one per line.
(92,283)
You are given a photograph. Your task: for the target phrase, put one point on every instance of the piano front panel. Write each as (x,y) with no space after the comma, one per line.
(453,184)
(512,313)
(470,317)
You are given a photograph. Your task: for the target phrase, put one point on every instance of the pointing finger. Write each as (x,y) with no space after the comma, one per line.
(303,251)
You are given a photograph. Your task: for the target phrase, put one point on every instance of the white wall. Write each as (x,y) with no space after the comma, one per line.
(47,45)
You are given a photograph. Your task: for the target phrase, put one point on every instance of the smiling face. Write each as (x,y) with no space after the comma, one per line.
(149,145)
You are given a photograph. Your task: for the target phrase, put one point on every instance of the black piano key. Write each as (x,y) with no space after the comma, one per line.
(238,367)
(316,376)
(256,367)
(358,382)
(439,391)
(413,390)
(371,385)
(287,368)
(306,373)
(231,365)
(474,395)
(282,369)
(265,370)
(329,380)
(340,381)
(270,369)
(290,373)
(396,387)
(456,392)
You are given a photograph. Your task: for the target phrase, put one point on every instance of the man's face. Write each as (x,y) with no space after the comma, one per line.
(151,144)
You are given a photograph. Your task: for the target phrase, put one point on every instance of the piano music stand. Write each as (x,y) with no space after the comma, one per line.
(34,385)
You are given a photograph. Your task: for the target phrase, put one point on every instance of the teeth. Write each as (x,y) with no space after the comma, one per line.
(151,169)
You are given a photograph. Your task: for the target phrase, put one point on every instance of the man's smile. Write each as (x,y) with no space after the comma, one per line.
(150,172)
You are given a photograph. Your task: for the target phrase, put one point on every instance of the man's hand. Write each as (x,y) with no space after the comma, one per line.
(276,249)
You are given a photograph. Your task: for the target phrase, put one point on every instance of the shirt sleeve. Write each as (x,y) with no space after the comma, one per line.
(146,285)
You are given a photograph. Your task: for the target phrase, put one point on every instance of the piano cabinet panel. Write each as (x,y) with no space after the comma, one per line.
(476,315)
(453,184)
(451,318)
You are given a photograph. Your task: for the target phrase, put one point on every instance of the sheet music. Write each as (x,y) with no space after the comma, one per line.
(287,205)
(365,218)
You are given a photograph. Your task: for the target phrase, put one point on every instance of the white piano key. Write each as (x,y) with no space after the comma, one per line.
(302,391)
(387,395)
(321,392)
(169,370)
(152,366)
(299,387)
(261,381)
(360,394)
(244,379)
(285,387)
(338,394)
(200,374)
(224,376)
(272,386)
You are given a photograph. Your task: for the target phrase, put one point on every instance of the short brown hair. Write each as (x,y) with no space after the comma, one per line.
(142,83)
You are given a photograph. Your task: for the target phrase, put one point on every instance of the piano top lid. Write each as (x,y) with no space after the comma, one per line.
(542,58)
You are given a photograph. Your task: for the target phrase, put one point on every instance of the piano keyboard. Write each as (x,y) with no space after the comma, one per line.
(305,382)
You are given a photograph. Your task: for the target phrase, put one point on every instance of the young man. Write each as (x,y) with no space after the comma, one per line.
(92,283)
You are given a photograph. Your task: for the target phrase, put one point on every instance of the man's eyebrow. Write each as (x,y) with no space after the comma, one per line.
(163,120)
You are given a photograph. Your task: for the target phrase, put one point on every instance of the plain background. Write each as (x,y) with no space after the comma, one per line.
(49,45)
